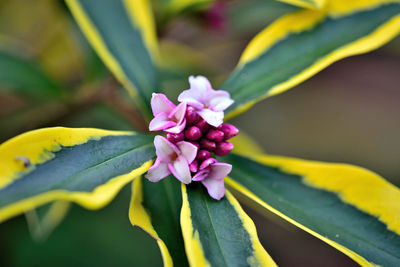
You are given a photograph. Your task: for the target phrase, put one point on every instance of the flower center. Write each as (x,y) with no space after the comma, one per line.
(173,156)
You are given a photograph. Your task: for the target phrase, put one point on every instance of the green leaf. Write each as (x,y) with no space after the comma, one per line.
(300,44)
(87,166)
(100,238)
(123,34)
(219,232)
(26,78)
(155,207)
(350,208)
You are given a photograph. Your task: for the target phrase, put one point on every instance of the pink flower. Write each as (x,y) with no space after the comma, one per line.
(173,159)
(167,116)
(209,103)
(211,174)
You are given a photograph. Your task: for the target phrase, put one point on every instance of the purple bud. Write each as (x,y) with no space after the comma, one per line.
(195,144)
(191,115)
(193,167)
(223,148)
(207,144)
(192,133)
(203,126)
(215,135)
(203,155)
(207,163)
(174,138)
(229,130)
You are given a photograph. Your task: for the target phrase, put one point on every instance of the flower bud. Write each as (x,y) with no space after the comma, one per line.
(194,166)
(203,126)
(223,148)
(192,133)
(203,155)
(191,115)
(207,163)
(215,135)
(207,144)
(229,130)
(174,138)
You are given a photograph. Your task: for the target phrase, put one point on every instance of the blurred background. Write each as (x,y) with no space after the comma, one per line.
(349,112)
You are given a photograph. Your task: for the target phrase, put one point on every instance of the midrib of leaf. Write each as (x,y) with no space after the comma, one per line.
(214,230)
(73,177)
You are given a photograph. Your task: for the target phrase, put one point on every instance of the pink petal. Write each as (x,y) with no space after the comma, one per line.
(218,171)
(177,129)
(178,113)
(215,188)
(192,98)
(158,171)
(188,150)
(160,103)
(164,148)
(161,122)
(201,175)
(214,118)
(180,169)
(220,100)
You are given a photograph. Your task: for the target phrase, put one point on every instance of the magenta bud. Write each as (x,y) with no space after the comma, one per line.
(207,163)
(203,126)
(203,155)
(229,130)
(191,115)
(195,144)
(192,133)
(194,166)
(223,148)
(215,135)
(207,144)
(174,138)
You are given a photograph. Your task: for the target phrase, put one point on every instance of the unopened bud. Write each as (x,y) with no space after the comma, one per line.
(229,130)
(203,126)
(223,148)
(192,133)
(207,163)
(175,137)
(215,135)
(203,155)
(207,144)
(193,167)
(191,115)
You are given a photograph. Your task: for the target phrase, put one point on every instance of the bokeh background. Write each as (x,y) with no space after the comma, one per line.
(350,112)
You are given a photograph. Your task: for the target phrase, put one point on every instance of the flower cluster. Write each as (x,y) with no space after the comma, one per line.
(195,134)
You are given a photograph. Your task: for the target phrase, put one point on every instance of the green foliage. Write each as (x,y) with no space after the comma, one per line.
(90,166)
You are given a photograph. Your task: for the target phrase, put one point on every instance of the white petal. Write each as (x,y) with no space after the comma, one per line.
(158,171)
(178,113)
(219,171)
(161,122)
(192,98)
(177,128)
(215,188)
(220,100)
(201,175)
(214,118)
(160,103)
(164,148)
(188,150)
(200,83)
(180,169)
